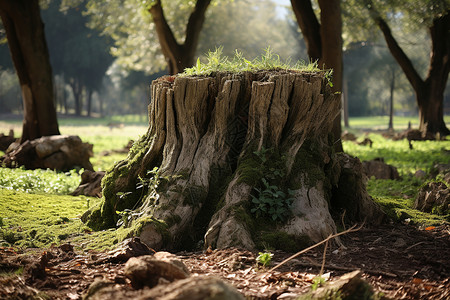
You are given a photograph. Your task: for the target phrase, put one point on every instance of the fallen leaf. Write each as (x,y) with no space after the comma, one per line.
(417,281)
(430,228)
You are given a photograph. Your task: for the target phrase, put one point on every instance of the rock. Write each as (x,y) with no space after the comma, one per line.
(420,174)
(6,140)
(348,136)
(13,287)
(192,288)
(366,142)
(57,152)
(348,286)
(380,170)
(149,271)
(132,247)
(433,197)
(195,288)
(90,184)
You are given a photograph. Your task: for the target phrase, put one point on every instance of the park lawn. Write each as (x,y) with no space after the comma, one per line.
(36,211)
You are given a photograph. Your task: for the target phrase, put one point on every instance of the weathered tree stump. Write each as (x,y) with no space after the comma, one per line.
(243,159)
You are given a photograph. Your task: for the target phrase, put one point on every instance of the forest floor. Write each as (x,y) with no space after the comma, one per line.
(400,261)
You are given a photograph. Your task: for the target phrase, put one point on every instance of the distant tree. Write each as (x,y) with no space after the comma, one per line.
(77,52)
(324,43)
(26,40)
(435,17)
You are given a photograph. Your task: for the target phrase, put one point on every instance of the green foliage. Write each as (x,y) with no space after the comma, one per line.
(270,200)
(39,181)
(264,258)
(216,62)
(317,282)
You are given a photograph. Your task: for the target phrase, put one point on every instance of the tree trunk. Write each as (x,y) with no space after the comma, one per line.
(429,92)
(324,44)
(391,101)
(242,159)
(26,40)
(89,101)
(77,90)
(179,56)
(345,102)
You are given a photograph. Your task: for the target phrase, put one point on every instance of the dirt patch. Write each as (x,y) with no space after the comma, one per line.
(400,261)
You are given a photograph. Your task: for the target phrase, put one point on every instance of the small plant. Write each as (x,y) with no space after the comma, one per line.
(264,258)
(317,282)
(270,199)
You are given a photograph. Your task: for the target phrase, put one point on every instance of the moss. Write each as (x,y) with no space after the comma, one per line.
(33,220)
(250,169)
(282,241)
(172,220)
(194,195)
(309,161)
(400,209)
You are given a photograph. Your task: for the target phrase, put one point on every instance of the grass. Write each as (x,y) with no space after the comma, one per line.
(216,62)
(397,196)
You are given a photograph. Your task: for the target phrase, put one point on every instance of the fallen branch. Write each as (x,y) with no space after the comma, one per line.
(351,229)
(346,269)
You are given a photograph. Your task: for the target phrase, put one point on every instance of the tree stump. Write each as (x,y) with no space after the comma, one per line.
(233,159)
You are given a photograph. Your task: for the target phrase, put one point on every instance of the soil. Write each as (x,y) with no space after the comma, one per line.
(399,260)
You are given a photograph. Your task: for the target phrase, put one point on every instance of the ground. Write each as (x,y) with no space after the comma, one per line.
(401,261)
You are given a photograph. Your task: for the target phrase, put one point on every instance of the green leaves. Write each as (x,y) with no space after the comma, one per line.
(264,258)
(271,200)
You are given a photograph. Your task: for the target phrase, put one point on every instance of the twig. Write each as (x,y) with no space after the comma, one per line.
(347,269)
(323,259)
(416,244)
(351,229)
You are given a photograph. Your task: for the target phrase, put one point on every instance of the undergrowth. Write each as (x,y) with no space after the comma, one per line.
(39,181)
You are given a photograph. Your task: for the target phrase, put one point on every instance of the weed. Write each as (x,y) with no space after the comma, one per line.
(264,258)
(270,200)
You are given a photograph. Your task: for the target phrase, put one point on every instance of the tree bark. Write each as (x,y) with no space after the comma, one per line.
(324,44)
(179,56)
(391,101)
(429,92)
(221,144)
(26,40)
(77,90)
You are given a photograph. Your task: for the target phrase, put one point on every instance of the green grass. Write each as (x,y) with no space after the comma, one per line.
(424,155)
(381,123)
(216,62)
(39,181)
(397,196)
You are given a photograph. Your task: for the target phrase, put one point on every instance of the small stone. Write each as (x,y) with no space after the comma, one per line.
(420,174)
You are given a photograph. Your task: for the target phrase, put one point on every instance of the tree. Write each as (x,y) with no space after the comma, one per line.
(134,22)
(179,56)
(435,16)
(26,40)
(77,53)
(324,43)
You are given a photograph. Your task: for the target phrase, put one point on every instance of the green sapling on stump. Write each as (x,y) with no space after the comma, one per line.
(238,157)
